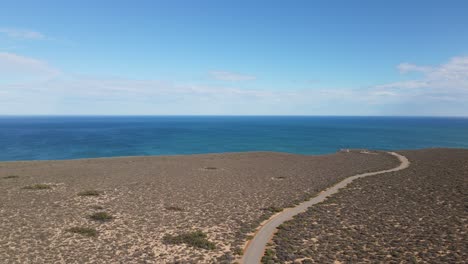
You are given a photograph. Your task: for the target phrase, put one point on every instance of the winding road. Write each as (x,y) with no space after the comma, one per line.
(255,248)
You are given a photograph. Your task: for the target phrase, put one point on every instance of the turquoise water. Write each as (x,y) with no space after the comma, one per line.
(44,138)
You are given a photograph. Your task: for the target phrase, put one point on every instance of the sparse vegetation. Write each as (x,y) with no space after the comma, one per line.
(85,231)
(318,235)
(11,177)
(39,186)
(196,239)
(89,193)
(163,195)
(101,216)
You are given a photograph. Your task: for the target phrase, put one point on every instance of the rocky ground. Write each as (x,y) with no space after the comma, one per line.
(151,209)
(417,215)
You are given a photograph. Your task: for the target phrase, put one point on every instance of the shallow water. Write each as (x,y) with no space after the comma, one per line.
(58,137)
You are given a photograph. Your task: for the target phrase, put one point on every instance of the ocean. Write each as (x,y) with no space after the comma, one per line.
(73,137)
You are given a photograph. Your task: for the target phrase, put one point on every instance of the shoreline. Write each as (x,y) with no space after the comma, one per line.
(189,155)
(230,153)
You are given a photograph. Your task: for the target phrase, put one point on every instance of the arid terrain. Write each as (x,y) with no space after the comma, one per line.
(417,215)
(168,209)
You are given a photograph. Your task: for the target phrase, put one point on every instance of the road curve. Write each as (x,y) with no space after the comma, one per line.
(255,249)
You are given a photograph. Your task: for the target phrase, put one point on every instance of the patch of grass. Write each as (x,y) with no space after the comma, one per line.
(85,231)
(39,186)
(173,208)
(89,193)
(194,239)
(101,216)
(10,177)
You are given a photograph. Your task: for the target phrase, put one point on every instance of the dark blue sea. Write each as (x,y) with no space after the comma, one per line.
(59,137)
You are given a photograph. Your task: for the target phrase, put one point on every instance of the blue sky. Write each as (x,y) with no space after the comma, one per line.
(234,57)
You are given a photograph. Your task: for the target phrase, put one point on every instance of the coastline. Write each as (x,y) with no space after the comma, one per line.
(353,150)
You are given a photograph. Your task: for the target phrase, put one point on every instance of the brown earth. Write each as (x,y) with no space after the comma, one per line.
(417,215)
(224,195)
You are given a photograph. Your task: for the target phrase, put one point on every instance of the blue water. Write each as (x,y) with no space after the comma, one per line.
(44,138)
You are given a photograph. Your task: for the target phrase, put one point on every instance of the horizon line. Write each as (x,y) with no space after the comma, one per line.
(215,115)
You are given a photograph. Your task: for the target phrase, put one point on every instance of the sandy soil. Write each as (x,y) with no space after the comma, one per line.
(417,215)
(224,195)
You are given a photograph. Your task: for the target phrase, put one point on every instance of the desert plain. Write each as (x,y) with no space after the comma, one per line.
(158,209)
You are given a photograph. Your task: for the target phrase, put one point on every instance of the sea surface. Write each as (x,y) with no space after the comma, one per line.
(61,137)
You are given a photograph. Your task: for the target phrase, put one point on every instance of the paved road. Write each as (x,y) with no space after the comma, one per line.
(253,253)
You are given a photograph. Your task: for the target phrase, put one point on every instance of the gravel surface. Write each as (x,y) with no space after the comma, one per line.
(140,200)
(417,215)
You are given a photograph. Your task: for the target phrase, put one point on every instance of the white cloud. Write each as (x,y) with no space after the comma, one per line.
(456,70)
(448,77)
(384,93)
(22,33)
(413,84)
(408,67)
(439,90)
(14,67)
(231,76)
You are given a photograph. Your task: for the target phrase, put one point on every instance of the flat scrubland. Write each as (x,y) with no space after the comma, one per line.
(168,209)
(417,215)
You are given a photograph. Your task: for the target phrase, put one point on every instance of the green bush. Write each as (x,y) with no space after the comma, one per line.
(195,239)
(273,209)
(101,216)
(89,193)
(38,186)
(11,177)
(173,208)
(85,231)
